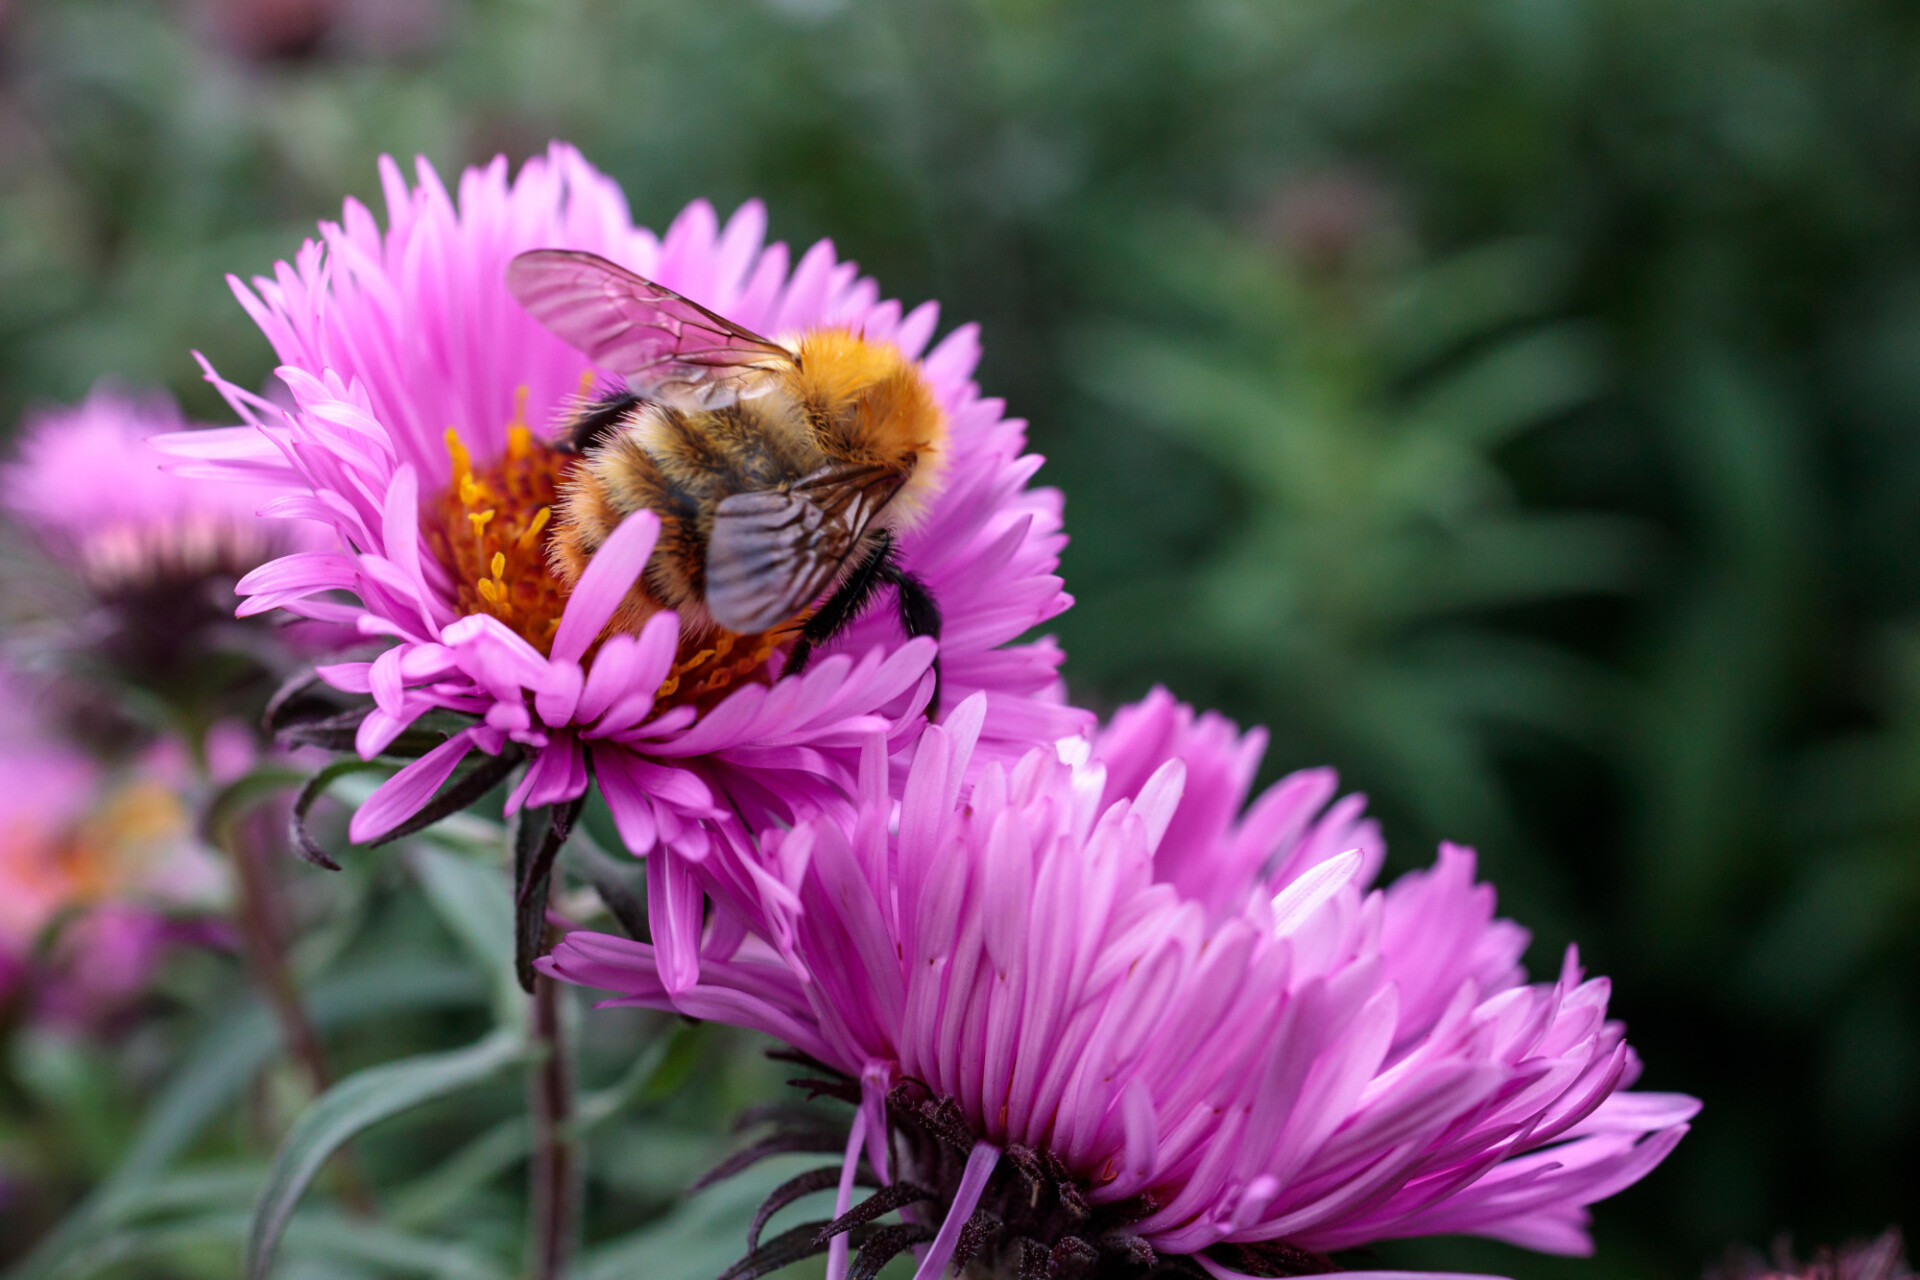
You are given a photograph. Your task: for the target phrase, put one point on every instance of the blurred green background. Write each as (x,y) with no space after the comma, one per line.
(1514,402)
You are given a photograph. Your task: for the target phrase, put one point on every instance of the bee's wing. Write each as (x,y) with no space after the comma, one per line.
(665,345)
(770,553)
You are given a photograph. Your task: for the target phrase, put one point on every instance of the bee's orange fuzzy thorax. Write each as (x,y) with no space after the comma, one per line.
(889,408)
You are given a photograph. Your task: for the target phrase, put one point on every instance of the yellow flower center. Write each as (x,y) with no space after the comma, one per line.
(490,530)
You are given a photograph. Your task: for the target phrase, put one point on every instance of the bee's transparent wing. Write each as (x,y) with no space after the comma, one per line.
(666,346)
(772,553)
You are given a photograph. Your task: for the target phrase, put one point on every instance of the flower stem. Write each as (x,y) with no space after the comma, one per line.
(554,1169)
(262,922)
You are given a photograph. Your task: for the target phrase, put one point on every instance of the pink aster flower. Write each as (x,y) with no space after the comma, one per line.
(1088,1006)
(49,787)
(419,387)
(90,487)
(1882,1258)
(158,551)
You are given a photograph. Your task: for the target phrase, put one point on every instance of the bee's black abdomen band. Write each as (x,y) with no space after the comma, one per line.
(599,419)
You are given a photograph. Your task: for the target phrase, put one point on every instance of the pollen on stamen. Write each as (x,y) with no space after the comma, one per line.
(488,528)
(540,518)
(519,438)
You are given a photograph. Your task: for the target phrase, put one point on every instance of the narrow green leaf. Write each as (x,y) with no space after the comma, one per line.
(700,1238)
(447,1186)
(315,787)
(660,1069)
(656,1073)
(228,1187)
(331,1236)
(615,880)
(243,792)
(476,904)
(321,1236)
(230,1054)
(357,1103)
(115,1249)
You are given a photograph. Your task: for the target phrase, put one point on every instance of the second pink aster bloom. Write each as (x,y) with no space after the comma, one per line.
(424,396)
(1092,1012)
(158,552)
(90,487)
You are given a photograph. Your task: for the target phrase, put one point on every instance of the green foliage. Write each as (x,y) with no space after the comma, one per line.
(430,1140)
(1372,536)
(356,1103)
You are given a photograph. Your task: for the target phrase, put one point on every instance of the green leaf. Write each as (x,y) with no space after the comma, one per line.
(353,1240)
(1450,302)
(656,1074)
(215,1072)
(118,1248)
(230,1187)
(477,906)
(432,1197)
(357,1103)
(244,792)
(247,1041)
(616,880)
(1512,386)
(324,1236)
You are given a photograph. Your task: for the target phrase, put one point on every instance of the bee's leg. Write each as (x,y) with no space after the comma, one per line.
(597,420)
(919,616)
(844,605)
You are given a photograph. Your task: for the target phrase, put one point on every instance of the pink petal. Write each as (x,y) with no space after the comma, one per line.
(609,575)
(403,795)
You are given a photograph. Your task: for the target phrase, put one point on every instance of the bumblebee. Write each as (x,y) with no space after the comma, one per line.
(780,473)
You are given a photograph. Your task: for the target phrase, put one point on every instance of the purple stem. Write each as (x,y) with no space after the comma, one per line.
(554,1168)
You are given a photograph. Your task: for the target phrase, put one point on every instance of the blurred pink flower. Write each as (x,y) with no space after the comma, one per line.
(49,787)
(104,962)
(78,839)
(415,375)
(90,487)
(1116,987)
(1882,1258)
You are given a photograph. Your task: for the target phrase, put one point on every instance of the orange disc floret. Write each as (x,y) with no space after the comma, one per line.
(490,528)
(708,667)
